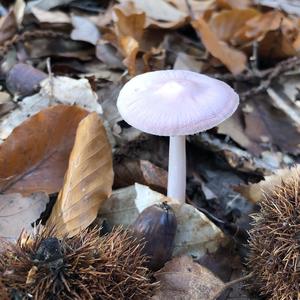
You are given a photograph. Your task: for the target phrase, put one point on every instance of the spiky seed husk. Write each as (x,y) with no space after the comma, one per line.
(85,266)
(275,243)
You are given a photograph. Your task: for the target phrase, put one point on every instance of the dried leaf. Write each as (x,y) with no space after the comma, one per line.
(19,10)
(235,157)
(18,212)
(159,13)
(289,6)
(154,59)
(267,125)
(262,24)
(24,79)
(128,171)
(71,91)
(50,16)
(181,278)
(59,47)
(234,127)
(34,157)
(8,26)
(6,104)
(129,24)
(195,235)
(187,62)
(228,22)
(54,90)
(88,181)
(129,32)
(130,48)
(233,59)
(254,192)
(84,30)
(198,10)
(47,4)
(109,55)
(239,4)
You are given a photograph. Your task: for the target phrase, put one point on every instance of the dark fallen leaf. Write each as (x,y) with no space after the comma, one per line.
(109,55)
(8,26)
(35,156)
(234,127)
(128,172)
(60,47)
(24,79)
(268,126)
(84,30)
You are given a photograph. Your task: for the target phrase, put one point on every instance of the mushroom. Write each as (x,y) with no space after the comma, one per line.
(176,103)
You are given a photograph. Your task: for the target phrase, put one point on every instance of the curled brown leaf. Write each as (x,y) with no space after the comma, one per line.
(88,181)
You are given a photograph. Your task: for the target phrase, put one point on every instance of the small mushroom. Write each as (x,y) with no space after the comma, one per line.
(176,103)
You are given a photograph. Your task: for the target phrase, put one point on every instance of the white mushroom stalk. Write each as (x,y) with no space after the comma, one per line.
(177,168)
(176,103)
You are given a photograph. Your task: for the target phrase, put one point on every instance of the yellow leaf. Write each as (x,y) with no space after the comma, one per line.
(233,59)
(88,181)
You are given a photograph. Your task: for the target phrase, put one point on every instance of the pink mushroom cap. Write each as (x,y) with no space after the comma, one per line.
(176,102)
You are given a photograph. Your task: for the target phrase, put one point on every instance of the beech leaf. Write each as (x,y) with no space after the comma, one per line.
(233,59)
(18,212)
(182,278)
(34,157)
(228,22)
(88,181)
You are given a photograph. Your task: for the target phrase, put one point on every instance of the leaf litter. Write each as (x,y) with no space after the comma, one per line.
(60,130)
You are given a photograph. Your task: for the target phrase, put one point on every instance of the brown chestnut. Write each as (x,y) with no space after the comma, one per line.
(156,226)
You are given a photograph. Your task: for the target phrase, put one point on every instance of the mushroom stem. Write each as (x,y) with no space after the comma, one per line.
(177,168)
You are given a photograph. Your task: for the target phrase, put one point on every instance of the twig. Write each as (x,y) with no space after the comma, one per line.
(265,77)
